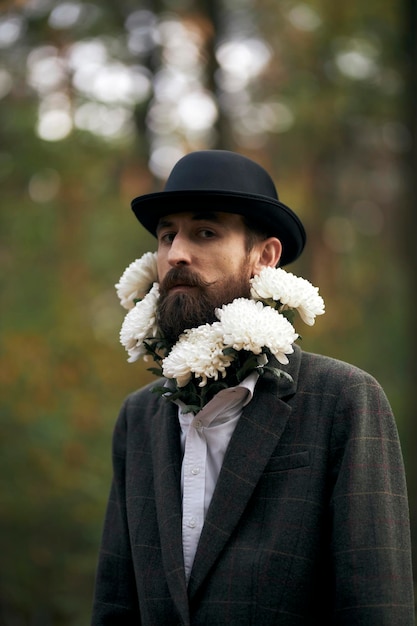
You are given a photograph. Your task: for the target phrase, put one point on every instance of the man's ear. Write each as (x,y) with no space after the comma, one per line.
(268,254)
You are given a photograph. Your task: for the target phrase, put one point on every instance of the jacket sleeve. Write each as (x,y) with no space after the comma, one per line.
(371,546)
(115,599)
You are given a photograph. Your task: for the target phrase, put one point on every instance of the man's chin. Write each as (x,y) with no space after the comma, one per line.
(180,297)
(180,310)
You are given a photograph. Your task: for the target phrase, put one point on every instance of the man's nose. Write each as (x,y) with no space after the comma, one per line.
(179,252)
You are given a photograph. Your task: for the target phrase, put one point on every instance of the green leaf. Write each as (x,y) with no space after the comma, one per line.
(279,373)
(289,314)
(230,352)
(249,365)
(157,371)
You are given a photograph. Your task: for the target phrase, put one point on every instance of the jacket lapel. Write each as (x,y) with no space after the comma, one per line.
(167,470)
(254,440)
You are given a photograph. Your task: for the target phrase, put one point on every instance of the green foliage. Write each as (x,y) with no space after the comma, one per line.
(66,233)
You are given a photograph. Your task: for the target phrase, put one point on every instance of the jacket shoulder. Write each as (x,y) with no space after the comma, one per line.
(146,394)
(319,368)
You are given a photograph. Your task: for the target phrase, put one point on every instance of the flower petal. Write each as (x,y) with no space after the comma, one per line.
(289,291)
(137,279)
(249,325)
(198,351)
(140,324)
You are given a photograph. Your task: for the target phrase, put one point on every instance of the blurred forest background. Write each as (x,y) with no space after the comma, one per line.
(98,100)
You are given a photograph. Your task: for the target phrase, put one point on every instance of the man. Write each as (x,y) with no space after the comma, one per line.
(282,501)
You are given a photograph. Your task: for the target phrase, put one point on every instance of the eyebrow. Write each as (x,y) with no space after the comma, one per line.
(209,216)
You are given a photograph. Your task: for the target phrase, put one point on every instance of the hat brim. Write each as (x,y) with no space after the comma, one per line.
(270,215)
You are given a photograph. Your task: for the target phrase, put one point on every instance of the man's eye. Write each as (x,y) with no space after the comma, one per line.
(166,237)
(206,233)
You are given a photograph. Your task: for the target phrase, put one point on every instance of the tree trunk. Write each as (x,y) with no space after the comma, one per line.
(410,253)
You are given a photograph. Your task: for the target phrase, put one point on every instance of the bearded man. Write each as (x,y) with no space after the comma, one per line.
(282,498)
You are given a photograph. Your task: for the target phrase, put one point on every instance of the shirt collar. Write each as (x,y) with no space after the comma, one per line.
(226,403)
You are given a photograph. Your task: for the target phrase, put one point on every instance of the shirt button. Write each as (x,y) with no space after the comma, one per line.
(195,471)
(198,424)
(192,522)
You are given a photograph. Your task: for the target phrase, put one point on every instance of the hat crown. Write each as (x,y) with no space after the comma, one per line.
(221,171)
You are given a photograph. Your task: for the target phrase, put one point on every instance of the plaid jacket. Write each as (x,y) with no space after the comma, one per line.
(308,523)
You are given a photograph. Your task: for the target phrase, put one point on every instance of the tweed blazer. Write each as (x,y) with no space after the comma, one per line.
(308,524)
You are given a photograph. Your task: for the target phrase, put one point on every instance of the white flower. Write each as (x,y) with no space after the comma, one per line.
(292,292)
(140,324)
(249,325)
(198,351)
(255,326)
(137,279)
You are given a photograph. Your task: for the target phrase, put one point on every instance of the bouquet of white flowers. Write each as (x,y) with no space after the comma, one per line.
(218,355)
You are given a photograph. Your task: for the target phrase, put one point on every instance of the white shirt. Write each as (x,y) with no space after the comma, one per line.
(204,440)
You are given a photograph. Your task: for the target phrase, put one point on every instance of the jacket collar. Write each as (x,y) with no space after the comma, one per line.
(167,481)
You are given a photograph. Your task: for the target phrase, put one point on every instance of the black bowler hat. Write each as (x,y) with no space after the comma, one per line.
(219,180)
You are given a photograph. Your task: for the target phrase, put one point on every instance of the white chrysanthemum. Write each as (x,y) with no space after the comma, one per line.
(198,351)
(293,292)
(140,324)
(137,279)
(249,325)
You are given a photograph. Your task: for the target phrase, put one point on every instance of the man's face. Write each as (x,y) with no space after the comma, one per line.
(203,263)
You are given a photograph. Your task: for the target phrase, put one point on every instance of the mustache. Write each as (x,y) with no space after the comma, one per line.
(182,276)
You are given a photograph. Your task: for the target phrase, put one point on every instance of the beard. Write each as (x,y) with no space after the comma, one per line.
(178,311)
